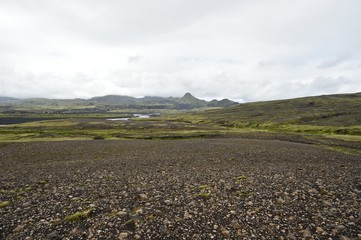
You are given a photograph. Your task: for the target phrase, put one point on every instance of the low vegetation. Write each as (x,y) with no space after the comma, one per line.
(4,204)
(326,120)
(79,215)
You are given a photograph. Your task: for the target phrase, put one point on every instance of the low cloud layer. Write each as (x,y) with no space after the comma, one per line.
(243,50)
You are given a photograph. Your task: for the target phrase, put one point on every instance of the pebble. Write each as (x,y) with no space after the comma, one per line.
(19,228)
(225,232)
(291,237)
(54,236)
(187,215)
(319,230)
(26,204)
(344,238)
(122,235)
(122,213)
(143,196)
(306,233)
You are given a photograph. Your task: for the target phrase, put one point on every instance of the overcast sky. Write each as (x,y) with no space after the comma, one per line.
(246,50)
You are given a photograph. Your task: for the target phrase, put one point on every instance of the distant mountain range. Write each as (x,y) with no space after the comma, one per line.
(188,101)
(4,99)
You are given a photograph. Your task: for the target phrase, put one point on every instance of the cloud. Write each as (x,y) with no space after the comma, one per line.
(266,64)
(335,61)
(251,50)
(134,59)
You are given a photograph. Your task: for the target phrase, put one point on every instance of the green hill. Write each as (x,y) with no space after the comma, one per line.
(339,113)
(221,103)
(113,100)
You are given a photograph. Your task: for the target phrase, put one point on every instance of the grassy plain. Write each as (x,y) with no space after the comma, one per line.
(333,120)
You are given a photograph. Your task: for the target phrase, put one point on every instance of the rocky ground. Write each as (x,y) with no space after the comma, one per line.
(180,189)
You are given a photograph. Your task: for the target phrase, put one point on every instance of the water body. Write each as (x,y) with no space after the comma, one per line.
(135,115)
(141,115)
(118,119)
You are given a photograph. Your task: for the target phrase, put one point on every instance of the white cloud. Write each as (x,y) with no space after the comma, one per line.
(251,50)
(332,62)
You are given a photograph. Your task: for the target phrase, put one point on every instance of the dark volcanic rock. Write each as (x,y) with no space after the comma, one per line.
(186,189)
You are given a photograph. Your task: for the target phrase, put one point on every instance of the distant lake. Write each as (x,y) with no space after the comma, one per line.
(118,119)
(141,115)
(136,115)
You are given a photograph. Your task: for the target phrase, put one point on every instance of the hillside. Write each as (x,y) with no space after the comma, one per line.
(335,110)
(113,99)
(328,114)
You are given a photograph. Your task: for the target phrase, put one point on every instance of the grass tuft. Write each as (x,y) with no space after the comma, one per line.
(79,215)
(4,204)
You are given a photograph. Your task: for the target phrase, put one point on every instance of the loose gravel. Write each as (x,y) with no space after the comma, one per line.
(178,189)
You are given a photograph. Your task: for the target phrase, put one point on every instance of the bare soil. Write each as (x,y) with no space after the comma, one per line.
(178,189)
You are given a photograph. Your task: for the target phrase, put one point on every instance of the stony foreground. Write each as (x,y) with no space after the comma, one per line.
(184,189)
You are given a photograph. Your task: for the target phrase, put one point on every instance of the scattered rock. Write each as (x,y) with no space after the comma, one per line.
(54,236)
(26,204)
(225,232)
(319,230)
(157,198)
(143,197)
(187,215)
(306,233)
(344,238)
(122,213)
(123,235)
(291,237)
(19,228)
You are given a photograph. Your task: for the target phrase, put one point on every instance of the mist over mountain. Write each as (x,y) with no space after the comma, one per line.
(6,99)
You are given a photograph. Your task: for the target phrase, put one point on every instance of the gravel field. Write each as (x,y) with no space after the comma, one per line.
(178,189)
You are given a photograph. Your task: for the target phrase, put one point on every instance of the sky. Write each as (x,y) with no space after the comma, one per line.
(245,50)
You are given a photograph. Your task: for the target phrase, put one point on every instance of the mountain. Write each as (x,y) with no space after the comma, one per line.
(113,100)
(154,99)
(109,102)
(189,99)
(222,103)
(6,99)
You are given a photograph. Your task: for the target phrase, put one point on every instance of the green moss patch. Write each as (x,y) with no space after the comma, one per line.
(4,204)
(79,215)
